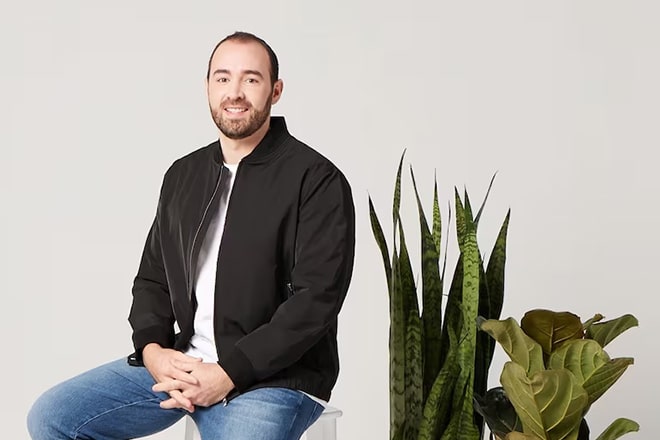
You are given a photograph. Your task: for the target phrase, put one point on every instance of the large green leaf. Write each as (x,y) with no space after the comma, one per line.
(410,301)
(618,428)
(591,365)
(382,244)
(550,403)
(551,329)
(431,298)
(522,349)
(396,205)
(521,436)
(605,332)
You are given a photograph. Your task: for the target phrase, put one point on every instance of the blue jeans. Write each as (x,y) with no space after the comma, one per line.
(115,401)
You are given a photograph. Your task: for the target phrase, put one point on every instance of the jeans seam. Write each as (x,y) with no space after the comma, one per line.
(75,433)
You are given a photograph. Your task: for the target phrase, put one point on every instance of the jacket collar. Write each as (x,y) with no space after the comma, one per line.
(267,148)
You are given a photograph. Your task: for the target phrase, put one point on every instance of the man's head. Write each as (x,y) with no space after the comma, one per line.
(242,84)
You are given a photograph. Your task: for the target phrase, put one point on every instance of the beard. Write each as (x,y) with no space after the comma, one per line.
(240,129)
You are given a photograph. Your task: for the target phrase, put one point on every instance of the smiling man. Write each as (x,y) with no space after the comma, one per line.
(250,254)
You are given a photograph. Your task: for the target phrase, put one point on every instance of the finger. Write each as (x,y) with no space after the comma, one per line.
(168,385)
(179,356)
(177,400)
(186,377)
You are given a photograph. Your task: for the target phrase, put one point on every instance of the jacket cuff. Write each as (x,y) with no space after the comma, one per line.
(159,335)
(239,369)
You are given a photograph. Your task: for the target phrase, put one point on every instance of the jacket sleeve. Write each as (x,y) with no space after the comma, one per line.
(151,315)
(324,253)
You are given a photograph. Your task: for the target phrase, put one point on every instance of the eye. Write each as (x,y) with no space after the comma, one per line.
(222,79)
(252,80)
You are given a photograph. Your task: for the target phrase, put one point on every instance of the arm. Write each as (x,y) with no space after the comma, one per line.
(324,251)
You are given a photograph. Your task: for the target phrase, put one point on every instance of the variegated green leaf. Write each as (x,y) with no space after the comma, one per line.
(437,408)
(414,369)
(437,219)
(397,353)
(382,244)
(396,205)
(483,203)
(431,298)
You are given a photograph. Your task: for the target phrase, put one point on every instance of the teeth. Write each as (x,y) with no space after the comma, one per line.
(235,110)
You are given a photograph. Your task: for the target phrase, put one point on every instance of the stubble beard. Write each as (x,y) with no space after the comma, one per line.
(240,129)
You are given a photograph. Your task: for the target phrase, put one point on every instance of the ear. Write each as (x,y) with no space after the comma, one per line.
(278,87)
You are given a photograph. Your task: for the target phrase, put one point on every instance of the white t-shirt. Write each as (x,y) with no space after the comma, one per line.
(202,344)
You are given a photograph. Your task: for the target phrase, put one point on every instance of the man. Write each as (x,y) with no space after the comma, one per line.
(250,254)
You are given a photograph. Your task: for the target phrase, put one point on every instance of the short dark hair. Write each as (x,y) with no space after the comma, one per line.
(246,37)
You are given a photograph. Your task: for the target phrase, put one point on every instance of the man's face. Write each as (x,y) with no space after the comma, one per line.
(239,88)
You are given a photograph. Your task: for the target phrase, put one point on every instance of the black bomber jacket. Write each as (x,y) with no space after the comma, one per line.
(284,265)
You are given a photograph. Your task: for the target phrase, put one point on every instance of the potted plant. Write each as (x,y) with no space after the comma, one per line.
(558,369)
(438,361)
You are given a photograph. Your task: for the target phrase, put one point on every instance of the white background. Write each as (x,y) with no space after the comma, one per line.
(560,98)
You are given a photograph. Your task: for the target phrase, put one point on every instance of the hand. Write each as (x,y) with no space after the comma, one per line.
(167,365)
(214,385)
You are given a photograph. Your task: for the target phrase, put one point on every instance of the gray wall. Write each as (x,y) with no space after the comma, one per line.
(561,98)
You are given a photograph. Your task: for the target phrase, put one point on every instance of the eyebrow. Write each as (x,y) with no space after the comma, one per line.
(244,72)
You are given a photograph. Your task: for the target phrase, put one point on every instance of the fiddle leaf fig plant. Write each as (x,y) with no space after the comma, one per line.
(438,358)
(557,370)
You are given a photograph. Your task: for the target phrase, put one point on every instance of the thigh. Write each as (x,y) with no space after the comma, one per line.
(262,414)
(113,401)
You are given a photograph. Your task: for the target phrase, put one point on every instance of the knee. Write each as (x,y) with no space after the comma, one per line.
(44,420)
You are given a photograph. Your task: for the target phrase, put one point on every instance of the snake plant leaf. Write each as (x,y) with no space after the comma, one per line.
(522,349)
(550,403)
(605,332)
(437,408)
(497,411)
(618,428)
(413,375)
(460,218)
(551,329)
(495,270)
(483,203)
(410,301)
(437,219)
(397,353)
(396,205)
(464,423)
(431,298)
(461,424)
(382,244)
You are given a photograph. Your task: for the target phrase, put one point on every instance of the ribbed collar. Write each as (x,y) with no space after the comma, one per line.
(267,148)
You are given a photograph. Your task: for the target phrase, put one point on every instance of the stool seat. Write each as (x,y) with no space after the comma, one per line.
(325,427)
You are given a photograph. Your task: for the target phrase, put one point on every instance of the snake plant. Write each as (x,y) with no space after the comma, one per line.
(558,369)
(438,361)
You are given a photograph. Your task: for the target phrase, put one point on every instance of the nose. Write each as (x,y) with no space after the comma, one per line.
(235,90)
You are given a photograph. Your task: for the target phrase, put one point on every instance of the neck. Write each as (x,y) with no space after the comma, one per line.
(233,150)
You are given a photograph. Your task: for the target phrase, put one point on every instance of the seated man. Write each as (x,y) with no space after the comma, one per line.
(250,254)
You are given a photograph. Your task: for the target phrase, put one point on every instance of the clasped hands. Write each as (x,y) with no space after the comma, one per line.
(188,381)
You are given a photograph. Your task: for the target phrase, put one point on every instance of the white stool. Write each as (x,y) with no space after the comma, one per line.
(325,428)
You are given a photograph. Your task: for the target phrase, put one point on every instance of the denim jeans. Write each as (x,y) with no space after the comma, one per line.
(115,401)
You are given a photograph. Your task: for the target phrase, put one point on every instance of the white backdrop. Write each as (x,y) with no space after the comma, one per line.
(561,98)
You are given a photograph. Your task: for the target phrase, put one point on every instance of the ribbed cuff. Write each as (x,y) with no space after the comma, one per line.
(239,368)
(160,335)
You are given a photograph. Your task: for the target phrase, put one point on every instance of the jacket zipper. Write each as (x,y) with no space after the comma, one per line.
(199,227)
